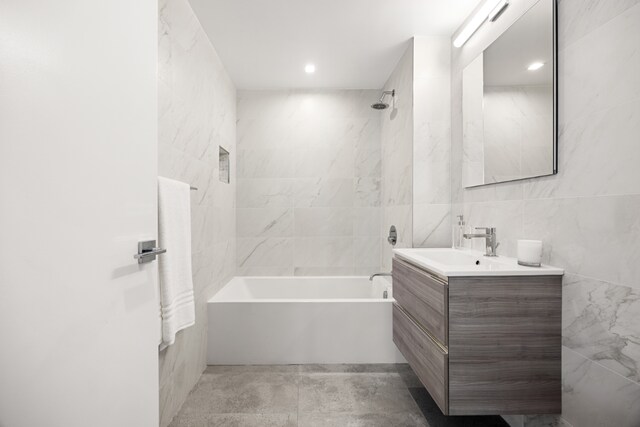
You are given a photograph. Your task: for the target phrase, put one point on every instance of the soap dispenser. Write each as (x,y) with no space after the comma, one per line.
(461,230)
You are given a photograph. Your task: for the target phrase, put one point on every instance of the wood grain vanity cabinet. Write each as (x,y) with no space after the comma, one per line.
(481,345)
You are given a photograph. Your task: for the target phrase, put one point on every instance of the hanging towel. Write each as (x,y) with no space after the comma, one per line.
(176,284)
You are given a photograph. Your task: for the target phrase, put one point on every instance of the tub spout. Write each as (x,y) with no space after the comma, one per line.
(378,274)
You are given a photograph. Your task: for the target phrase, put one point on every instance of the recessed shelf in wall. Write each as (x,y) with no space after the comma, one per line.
(223,161)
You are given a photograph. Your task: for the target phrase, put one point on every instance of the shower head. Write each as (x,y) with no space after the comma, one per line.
(380,105)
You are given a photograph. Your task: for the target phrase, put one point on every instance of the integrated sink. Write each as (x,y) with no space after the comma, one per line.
(458,262)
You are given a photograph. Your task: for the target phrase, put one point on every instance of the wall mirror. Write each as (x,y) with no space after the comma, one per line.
(509,103)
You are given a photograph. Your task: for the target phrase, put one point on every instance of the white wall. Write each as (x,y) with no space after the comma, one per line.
(196,115)
(587,214)
(308,183)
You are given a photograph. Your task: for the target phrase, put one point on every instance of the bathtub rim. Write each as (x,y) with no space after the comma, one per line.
(390,299)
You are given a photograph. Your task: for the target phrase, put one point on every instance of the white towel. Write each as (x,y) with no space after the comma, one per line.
(176,284)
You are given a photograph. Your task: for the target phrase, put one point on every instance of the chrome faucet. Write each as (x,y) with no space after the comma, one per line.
(490,239)
(378,274)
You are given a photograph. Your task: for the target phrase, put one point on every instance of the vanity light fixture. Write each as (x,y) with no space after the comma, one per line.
(487,9)
(497,11)
(535,66)
(310,68)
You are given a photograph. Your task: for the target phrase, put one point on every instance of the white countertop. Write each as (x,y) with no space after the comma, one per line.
(460,262)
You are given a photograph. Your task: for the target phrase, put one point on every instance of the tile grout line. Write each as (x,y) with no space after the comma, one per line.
(602,366)
(558,197)
(298,400)
(588,33)
(595,279)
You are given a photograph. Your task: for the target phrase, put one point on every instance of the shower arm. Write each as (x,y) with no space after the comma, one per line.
(387,92)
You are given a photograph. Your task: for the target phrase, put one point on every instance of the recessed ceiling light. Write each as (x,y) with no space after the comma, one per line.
(535,66)
(309,68)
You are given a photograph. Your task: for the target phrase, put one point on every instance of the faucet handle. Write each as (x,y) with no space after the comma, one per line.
(487,229)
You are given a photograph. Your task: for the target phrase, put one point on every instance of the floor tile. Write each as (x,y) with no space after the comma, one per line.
(253,420)
(243,392)
(350,368)
(410,419)
(236,420)
(227,369)
(377,393)
(385,395)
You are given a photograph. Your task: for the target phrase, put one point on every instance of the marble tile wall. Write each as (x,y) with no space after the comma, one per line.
(309,183)
(431,142)
(416,188)
(396,130)
(588,214)
(473,124)
(518,124)
(196,114)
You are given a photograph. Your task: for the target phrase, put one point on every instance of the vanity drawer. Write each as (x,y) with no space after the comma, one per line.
(423,296)
(428,360)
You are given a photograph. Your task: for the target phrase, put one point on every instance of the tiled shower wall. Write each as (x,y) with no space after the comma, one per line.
(197,114)
(588,215)
(431,142)
(397,150)
(415,135)
(308,183)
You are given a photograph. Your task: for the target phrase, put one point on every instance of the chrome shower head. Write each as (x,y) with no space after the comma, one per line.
(380,105)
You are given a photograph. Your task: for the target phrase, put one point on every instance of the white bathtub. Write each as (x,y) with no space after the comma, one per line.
(297,320)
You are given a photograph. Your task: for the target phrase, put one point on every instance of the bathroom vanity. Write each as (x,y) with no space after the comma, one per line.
(482,334)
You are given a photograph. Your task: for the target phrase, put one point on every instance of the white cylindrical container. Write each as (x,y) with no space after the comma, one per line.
(530,253)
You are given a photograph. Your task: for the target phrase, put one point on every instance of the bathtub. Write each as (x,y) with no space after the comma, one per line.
(298,320)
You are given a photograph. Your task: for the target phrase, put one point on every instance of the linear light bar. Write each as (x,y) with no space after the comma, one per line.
(475,22)
(497,11)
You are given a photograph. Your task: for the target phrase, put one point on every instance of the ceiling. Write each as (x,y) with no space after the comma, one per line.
(355,44)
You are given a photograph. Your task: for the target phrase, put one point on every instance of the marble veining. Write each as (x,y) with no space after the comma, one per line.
(600,321)
(580,17)
(431,225)
(613,79)
(591,236)
(576,165)
(396,132)
(264,222)
(431,155)
(309,190)
(416,186)
(587,214)
(594,396)
(196,114)
(518,126)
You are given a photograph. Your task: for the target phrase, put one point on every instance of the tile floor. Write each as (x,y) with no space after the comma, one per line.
(314,396)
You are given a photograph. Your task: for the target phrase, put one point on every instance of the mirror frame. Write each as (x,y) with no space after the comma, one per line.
(554,22)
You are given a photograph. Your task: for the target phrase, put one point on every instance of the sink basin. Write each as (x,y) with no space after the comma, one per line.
(458,262)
